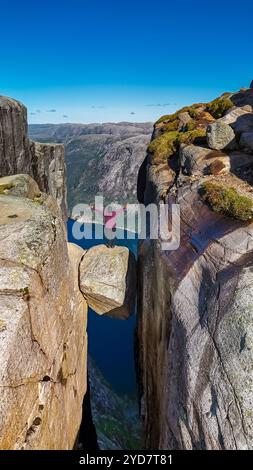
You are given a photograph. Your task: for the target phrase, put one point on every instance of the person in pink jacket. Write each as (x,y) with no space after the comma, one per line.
(109,217)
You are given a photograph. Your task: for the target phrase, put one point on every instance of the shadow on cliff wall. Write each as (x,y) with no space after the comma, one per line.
(87,438)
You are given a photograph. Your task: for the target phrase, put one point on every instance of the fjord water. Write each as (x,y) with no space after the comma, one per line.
(111,341)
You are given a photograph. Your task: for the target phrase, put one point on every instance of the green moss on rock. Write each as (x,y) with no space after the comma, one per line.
(164,145)
(192,110)
(168,143)
(218,107)
(228,201)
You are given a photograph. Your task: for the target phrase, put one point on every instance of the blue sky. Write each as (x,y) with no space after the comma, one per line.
(87,61)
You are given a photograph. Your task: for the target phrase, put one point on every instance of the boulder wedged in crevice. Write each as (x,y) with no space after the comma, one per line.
(108,280)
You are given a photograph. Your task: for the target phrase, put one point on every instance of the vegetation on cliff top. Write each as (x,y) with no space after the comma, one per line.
(228,201)
(218,107)
(172,131)
(167,144)
(187,109)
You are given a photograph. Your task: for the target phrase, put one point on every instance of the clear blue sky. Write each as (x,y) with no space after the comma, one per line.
(86,61)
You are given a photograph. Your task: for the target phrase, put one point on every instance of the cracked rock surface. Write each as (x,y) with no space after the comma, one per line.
(43,316)
(195,326)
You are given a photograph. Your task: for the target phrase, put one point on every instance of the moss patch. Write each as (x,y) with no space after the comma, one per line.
(171,132)
(164,145)
(228,201)
(192,110)
(168,143)
(218,107)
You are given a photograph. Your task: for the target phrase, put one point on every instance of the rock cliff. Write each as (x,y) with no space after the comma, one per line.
(43,343)
(195,303)
(18,154)
(43,312)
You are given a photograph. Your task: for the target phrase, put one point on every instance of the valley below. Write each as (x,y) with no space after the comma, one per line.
(101,159)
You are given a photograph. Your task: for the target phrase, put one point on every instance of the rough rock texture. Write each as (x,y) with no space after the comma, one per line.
(195,313)
(101,158)
(15,155)
(116,417)
(18,154)
(233,114)
(220,136)
(246,142)
(108,280)
(20,185)
(50,172)
(42,327)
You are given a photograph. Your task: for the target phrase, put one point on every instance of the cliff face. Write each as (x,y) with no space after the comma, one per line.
(45,163)
(195,304)
(43,344)
(101,158)
(43,315)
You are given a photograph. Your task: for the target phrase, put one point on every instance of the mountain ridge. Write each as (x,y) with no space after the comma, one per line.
(102,159)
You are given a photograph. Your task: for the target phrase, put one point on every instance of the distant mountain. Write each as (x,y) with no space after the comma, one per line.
(102,159)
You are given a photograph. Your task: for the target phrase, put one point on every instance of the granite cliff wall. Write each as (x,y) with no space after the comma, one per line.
(44,162)
(195,304)
(43,316)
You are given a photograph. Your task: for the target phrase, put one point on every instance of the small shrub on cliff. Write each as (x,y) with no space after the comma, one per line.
(228,201)
(218,107)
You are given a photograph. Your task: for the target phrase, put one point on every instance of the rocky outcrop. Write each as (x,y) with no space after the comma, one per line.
(115,416)
(108,280)
(15,155)
(195,303)
(220,136)
(43,344)
(45,163)
(246,142)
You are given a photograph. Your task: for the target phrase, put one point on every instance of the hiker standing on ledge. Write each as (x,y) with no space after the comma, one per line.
(109,216)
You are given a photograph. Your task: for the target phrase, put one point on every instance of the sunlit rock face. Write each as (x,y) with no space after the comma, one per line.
(108,280)
(43,315)
(18,154)
(195,303)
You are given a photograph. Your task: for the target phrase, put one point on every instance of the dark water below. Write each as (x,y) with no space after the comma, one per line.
(111,341)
